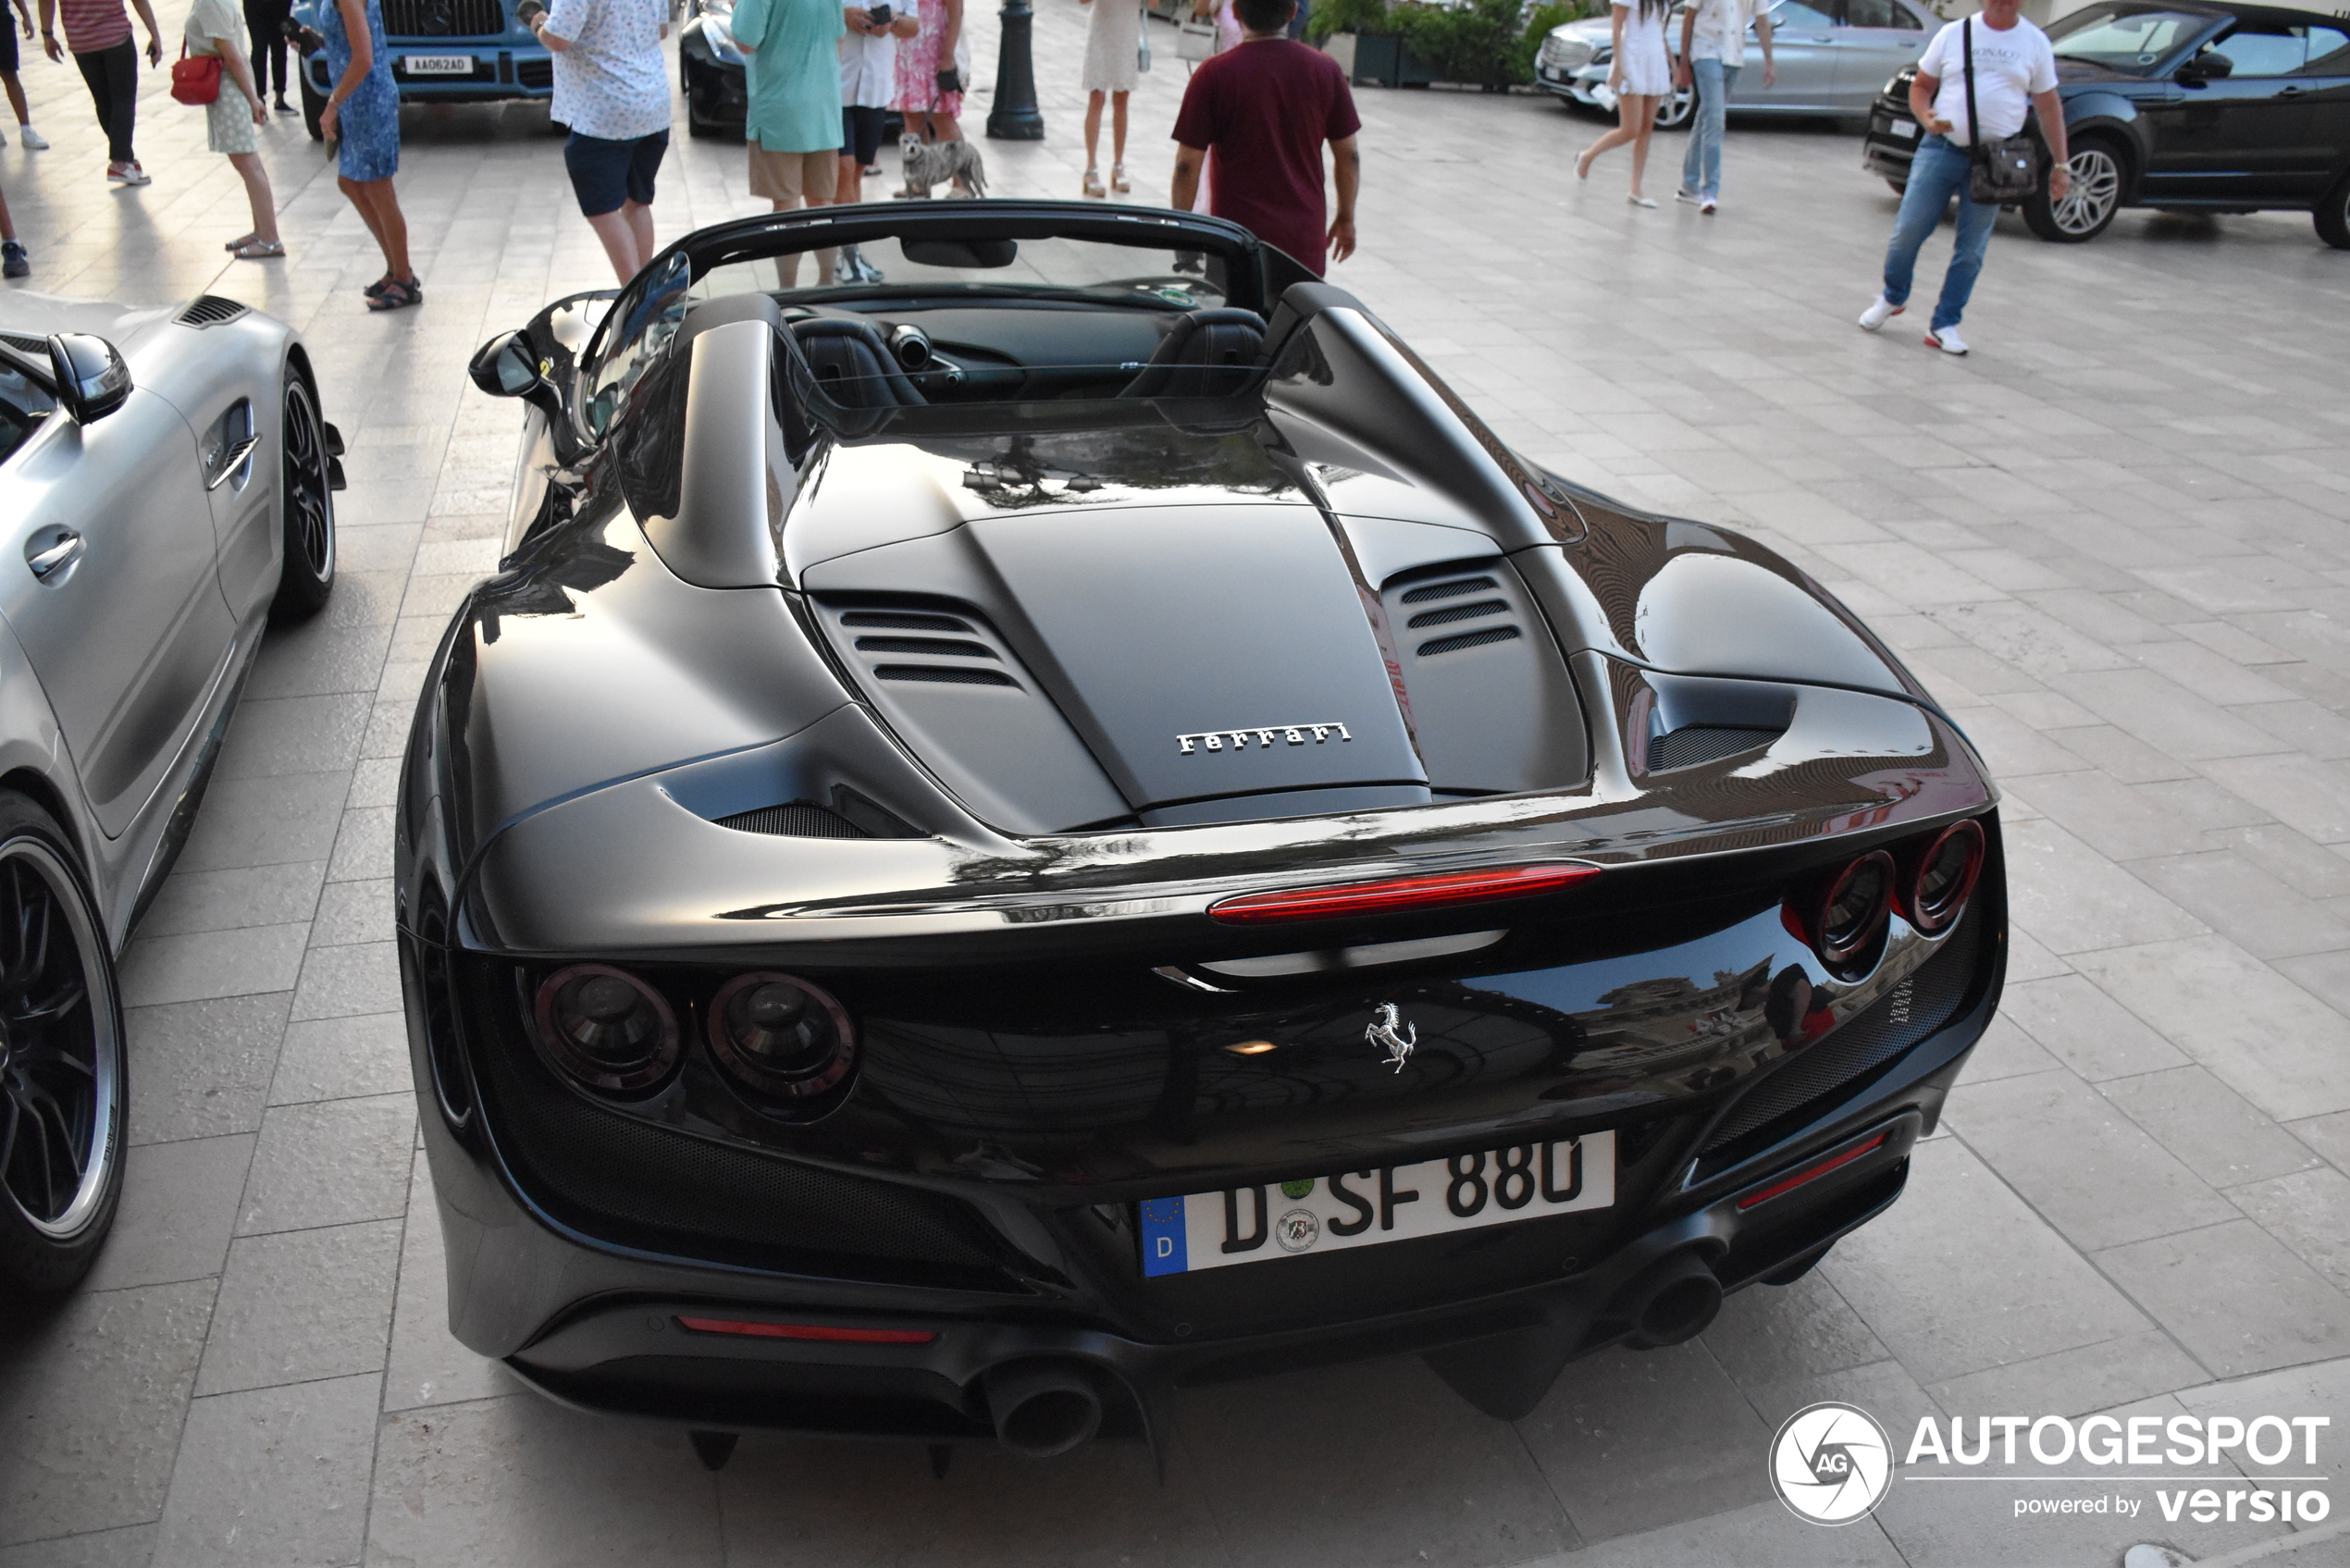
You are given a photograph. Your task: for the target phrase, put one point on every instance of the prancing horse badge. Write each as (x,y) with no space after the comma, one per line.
(1390,1031)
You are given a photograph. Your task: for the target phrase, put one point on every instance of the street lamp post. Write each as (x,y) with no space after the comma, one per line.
(1015,117)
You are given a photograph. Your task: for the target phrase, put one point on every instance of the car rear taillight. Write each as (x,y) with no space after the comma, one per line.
(820,1332)
(782,1036)
(1400,894)
(606,1028)
(1939,874)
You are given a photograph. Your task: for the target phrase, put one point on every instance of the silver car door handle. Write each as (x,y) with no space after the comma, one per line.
(60,552)
(232,462)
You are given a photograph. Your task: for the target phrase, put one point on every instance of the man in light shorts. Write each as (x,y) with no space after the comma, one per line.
(791,75)
(1713,52)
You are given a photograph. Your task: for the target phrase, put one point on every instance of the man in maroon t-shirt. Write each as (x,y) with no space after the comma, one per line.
(1264,109)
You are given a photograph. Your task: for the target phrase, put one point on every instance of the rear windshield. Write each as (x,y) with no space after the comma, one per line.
(1086,269)
(2133,40)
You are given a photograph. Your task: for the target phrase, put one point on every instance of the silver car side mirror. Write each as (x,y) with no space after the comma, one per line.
(91,380)
(503,368)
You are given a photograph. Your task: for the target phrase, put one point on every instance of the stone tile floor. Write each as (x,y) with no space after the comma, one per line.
(2113,541)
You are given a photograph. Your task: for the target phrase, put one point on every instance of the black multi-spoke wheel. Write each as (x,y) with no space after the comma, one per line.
(61,1060)
(307,505)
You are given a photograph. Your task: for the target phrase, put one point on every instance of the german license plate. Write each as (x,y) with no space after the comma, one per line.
(1363,1208)
(438,65)
(1903,128)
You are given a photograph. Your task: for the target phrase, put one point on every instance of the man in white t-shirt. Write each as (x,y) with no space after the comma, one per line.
(612,89)
(1713,52)
(2014,70)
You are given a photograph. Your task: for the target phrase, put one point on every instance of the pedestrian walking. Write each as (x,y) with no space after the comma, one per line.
(33,140)
(99,35)
(868,87)
(266,20)
(1255,118)
(1641,76)
(930,85)
(1113,44)
(612,89)
(363,114)
(2011,69)
(791,75)
(230,119)
(1713,53)
(14,261)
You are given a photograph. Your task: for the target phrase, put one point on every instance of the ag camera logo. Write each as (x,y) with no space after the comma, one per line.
(1831,1463)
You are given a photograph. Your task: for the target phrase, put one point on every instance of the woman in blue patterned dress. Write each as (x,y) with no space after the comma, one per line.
(363,113)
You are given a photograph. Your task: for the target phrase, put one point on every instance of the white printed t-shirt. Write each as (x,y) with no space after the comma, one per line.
(1722,24)
(2010,66)
(613,81)
(868,64)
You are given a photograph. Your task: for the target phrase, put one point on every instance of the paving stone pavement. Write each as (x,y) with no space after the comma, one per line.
(2113,542)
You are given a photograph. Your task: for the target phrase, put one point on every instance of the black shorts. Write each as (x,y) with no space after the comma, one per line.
(606,174)
(861,134)
(9,44)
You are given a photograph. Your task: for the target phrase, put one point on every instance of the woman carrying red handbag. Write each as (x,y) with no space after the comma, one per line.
(213,34)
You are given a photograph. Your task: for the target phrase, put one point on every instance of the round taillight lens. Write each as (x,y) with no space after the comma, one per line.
(606,1028)
(1852,912)
(780,1035)
(1941,876)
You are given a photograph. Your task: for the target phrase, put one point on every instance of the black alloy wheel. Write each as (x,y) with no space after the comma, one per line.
(62,1066)
(307,506)
(2089,206)
(2333,215)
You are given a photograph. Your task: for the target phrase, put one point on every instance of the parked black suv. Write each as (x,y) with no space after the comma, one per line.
(2181,103)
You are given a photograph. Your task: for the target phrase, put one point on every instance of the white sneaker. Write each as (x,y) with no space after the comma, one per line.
(1708,205)
(1947,339)
(1881,310)
(33,140)
(1685,194)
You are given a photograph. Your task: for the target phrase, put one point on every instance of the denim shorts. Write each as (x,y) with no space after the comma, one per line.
(606,174)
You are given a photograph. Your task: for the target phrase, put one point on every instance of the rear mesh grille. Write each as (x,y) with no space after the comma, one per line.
(210,310)
(1448,591)
(1692,744)
(798,819)
(1458,612)
(1900,1019)
(1470,639)
(944,674)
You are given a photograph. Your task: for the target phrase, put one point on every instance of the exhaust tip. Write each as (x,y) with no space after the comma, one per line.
(1674,1301)
(1042,1409)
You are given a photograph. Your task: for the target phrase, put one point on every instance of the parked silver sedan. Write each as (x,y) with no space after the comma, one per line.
(1833,58)
(166,490)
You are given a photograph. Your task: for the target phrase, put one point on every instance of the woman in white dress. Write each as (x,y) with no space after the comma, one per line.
(215,29)
(1112,39)
(1641,75)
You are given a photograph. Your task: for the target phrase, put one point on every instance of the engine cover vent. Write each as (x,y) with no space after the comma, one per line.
(1480,639)
(1492,709)
(1692,744)
(944,674)
(210,310)
(1446,590)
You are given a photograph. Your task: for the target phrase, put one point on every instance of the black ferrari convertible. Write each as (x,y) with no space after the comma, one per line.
(1074,824)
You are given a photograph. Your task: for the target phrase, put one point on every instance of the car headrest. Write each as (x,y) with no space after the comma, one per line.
(1205,354)
(853,364)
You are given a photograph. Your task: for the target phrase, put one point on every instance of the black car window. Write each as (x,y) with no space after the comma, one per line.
(23,405)
(2133,40)
(1794,13)
(2328,52)
(1877,13)
(2263,50)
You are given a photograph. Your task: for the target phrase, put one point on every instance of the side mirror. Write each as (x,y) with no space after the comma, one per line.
(503,368)
(91,380)
(2208,68)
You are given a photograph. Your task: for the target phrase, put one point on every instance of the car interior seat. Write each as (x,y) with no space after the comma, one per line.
(853,364)
(1204,354)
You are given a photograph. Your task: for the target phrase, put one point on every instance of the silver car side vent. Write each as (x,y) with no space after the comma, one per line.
(1693,744)
(796,819)
(210,310)
(1468,639)
(1451,613)
(944,674)
(1449,590)
(938,648)
(903,621)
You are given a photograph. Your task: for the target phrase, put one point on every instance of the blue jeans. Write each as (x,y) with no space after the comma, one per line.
(1938,173)
(1701,168)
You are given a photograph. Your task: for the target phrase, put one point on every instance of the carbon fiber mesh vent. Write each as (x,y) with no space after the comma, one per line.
(1899,1019)
(943,675)
(1470,639)
(798,819)
(1458,612)
(1692,744)
(936,647)
(37,347)
(210,310)
(1448,591)
(903,621)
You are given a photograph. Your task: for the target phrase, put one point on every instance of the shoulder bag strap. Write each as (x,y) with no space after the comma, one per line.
(1973,119)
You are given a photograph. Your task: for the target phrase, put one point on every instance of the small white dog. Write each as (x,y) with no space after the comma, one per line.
(929,164)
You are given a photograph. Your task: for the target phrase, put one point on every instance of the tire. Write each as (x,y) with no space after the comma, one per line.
(305,505)
(2333,215)
(63,1074)
(313,103)
(2099,174)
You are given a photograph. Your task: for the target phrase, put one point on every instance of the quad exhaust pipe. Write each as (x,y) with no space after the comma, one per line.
(1673,1301)
(1041,1409)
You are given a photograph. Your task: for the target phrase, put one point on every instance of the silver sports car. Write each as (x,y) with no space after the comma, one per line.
(166,488)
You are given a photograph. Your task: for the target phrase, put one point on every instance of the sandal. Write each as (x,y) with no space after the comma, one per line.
(1094,184)
(240,243)
(1117,178)
(259,250)
(399,296)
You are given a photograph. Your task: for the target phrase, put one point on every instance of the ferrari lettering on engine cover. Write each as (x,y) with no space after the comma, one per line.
(1237,740)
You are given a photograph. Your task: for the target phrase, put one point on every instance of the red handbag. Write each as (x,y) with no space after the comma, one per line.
(195,79)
